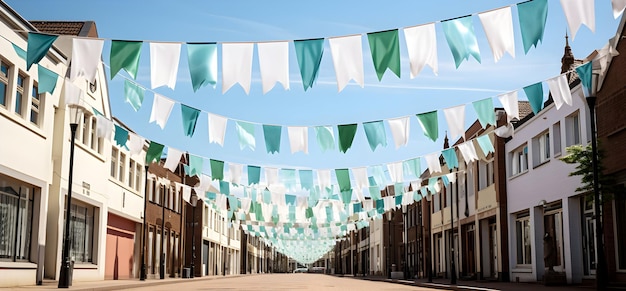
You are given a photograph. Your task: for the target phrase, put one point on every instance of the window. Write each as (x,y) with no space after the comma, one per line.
(85,129)
(34,105)
(541,149)
(82,232)
(572,129)
(19,94)
(16,211)
(485,174)
(522,230)
(114,153)
(131,174)
(519,162)
(122,167)
(94,142)
(138,176)
(556,138)
(4,82)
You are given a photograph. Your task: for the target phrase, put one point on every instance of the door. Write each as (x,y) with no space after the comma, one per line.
(468,251)
(589,238)
(553,226)
(205,258)
(493,250)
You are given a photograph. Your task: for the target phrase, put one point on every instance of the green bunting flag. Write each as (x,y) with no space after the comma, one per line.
(532,21)
(202,59)
(534,93)
(485,144)
(154,152)
(378,173)
(429,124)
(195,166)
(461,39)
(412,167)
(450,156)
(346,196)
(125,55)
(190,118)
(217,169)
(346,136)
(584,73)
(288,177)
(375,132)
(133,94)
(272,138)
(37,47)
(254,175)
(47,80)
(121,136)
(19,51)
(385,49)
(343,178)
(306,179)
(245,131)
(325,137)
(309,53)
(485,111)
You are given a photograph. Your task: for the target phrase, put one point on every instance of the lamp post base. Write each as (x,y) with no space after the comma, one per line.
(64,275)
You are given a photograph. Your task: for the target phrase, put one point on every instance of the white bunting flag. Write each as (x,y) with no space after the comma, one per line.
(217,128)
(164,59)
(560,91)
(173,158)
(104,127)
(400,128)
(298,139)
(578,13)
(395,172)
(161,109)
(86,57)
(498,25)
(421,42)
(468,151)
(455,116)
(347,55)
(360,178)
(237,65)
(271,176)
(509,102)
(618,7)
(135,144)
(432,160)
(505,131)
(73,94)
(323,179)
(451,177)
(235,171)
(186,192)
(274,64)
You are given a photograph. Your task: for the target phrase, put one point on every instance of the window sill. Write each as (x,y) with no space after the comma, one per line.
(541,164)
(522,269)
(17,265)
(90,151)
(517,175)
(85,266)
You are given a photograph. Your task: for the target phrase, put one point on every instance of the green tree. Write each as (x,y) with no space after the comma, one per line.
(581,155)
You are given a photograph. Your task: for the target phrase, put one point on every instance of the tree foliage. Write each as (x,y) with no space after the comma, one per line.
(582,156)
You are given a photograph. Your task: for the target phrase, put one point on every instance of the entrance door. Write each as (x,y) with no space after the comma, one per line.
(589,238)
(205,258)
(553,225)
(493,250)
(468,251)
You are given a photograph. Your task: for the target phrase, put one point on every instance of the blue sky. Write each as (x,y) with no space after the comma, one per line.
(202,21)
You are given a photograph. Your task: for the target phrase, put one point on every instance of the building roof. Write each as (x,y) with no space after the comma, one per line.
(76,28)
(524,109)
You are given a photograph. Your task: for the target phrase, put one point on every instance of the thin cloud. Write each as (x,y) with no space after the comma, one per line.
(252,27)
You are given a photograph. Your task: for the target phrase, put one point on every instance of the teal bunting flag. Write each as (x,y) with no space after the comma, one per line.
(155,150)
(375,132)
(374,192)
(125,55)
(329,214)
(346,136)
(225,187)
(398,189)
(37,47)
(532,21)
(190,118)
(267,196)
(245,131)
(380,205)
(343,178)
(288,177)
(202,58)
(47,80)
(306,179)
(309,54)
(451,159)
(19,51)
(398,199)
(356,207)
(290,199)
(461,39)
(412,167)
(325,137)
(431,185)
(584,73)
(485,111)
(379,175)
(272,138)
(254,175)
(485,144)
(121,136)
(346,196)
(233,203)
(217,169)
(134,94)
(429,124)
(385,49)
(534,93)
(445,179)
(195,166)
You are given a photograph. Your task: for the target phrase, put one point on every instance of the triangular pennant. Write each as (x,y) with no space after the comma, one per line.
(578,13)
(37,47)
(86,58)
(298,139)
(274,64)
(429,124)
(245,131)
(202,60)
(121,136)
(164,60)
(47,80)
(346,136)
(217,169)
(217,129)
(375,132)
(236,171)
(195,166)
(104,127)
(485,144)
(125,55)
(173,159)
(385,49)
(135,144)
(584,73)
(455,116)
(510,104)
(532,21)
(485,111)
(461,38)
(190,118)
(272,138)
(309,53)
(154,152)
(395,172)
(343,179)
(134,94)
(498,25)
(237,65)
(306,179)
(421,43)
(413,167)
(449,155)
(347,56)
(534,93)
(254,175)
(325,137)
(559,88)
(400,128)
(432,160)
(161,109)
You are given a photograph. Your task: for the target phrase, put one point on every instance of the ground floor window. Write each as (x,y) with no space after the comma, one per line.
(522,232)
(16,216)
(82,232)
(620,217)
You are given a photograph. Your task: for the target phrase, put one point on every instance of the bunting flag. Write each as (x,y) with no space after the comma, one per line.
(135,144)
(235,171)
(154,152)
(237,65)
(505,131)
(343,178)
(421,43)
(245,131)
(19,51)
(395,172)
(485,144)
(47,80)
(584,73)
(432,160)
(323,179)
(104,127)
(272,138)
(271,176)
(360,177)
(485,111)
(413,167)
(217,128)
(217,169)
(346,136)
(325,137)
(378,173)
(274,64)
(73,94)
(400,128)
(173,159)
(86,57)
(289,178)
(202,61)
(498,25)
(578,13)
(468,151)
(461,39)
(534,93)
(511,107)
(385,49)
(532,21)
(190,118)
(309,54)
(195,166)
(449,156)
(134,94)
(161,109)
(618,7)
(121,136)
(306,179)
(560,90)
(164,59)
(375,132)
(125,55)
(455,116)
(37,47)
(347,60)
(298,139)
(429,124)
(254,175)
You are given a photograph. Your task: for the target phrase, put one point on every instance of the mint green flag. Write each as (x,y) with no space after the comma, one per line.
(374,192)
(534,93)
(217,169)
(195,166)
(225,187)
(254,175)
(288,177)
(121,136)
(485,144)
(375,132)
(584,73)
(532,21)
(125,55)
(329,214)
(272,138)
(343,178)
(267,196)
(380,205)
(202,59)
(309,53)
(38,46)
(190,118)
(429,124)
(47,80)
(245,131)
(306,179)
(412,167)
(461,39)
(451,159)
(325,137)
(379,175)
(154,152)
(133,94)
(385,49)
(346,136)
(485,111)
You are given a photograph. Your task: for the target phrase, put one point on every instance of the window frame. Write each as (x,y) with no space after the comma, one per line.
(517,168)
(5,79)
(523,231)
(20,89)
(573,129)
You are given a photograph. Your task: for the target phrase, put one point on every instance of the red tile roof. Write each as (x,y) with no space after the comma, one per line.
(59,27)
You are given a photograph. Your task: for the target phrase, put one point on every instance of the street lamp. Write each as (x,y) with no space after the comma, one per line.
(194,202)
(452,264)
(65,276)
(389,216)
(405,237)
(601,272)
(142,274)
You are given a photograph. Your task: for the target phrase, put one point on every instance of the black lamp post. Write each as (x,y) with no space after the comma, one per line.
(162,261)
(389,216)
(601,270)
(143,274)
(452,263)
(405,237)
(194,202)
(65,275)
